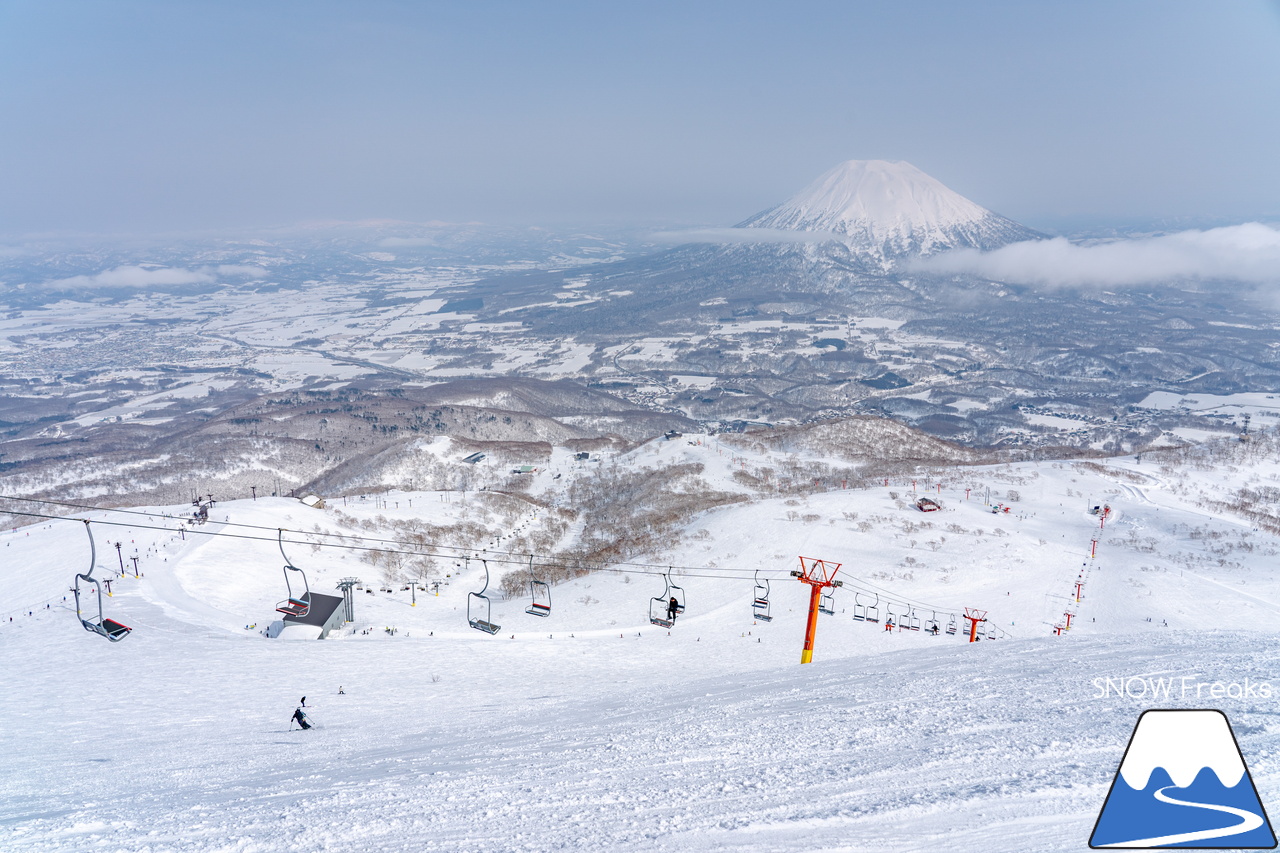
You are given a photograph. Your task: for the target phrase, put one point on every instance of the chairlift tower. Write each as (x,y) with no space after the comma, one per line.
(348,604)
(974,616)
(820,575)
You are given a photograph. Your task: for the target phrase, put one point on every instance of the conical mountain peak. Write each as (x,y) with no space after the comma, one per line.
(889,209)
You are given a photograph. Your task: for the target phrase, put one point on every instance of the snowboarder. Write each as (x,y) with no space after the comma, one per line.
(340,691)
(304,701)
(301,718)
(672,607)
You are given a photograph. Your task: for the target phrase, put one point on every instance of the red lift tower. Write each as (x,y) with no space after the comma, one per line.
(819,575)
(974,617)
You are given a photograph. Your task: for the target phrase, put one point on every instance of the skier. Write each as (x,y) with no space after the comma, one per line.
(300,717)
(672,606)
(304,701)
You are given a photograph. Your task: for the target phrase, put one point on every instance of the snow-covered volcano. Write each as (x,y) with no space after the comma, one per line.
(888,209)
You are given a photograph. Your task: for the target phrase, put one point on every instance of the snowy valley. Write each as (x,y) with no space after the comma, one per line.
(594,729)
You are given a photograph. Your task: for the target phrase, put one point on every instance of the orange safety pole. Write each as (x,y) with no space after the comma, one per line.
(811,629)
(973,630)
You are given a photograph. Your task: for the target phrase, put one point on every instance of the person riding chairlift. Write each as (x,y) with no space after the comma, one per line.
(672,607)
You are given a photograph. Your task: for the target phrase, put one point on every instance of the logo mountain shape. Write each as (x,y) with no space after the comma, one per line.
(1183,783)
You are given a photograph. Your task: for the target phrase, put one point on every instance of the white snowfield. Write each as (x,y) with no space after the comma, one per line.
(593,730)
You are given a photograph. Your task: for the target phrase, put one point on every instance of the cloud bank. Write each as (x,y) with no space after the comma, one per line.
(145,277)
(743,235)
(1245,253)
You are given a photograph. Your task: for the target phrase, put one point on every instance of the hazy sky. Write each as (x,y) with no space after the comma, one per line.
(150,115)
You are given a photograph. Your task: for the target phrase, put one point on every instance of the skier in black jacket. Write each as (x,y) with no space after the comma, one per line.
(301,717)
(673,606)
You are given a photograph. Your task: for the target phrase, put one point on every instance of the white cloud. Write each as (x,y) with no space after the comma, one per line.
(1246,253)
(144,277)
(743,235)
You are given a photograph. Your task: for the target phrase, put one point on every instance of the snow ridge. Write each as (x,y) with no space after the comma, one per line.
(888,209)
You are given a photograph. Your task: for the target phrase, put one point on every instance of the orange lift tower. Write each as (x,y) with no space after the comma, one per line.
(820,575)
(974,616)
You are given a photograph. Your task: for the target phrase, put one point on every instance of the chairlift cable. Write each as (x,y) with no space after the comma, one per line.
(704,572)
(518,557)
(413,551)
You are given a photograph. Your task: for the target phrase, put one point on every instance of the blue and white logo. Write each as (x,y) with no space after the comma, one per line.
(1183,783)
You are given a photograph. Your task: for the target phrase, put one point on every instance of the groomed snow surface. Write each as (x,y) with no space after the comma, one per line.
(594,730)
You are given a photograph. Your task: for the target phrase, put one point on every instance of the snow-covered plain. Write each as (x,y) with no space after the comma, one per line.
(594,730)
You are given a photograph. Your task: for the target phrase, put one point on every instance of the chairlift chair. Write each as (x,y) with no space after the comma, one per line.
(481,607)
(659,605)
(894,617)
(912,622)
(100,624)
(296,606)
(760,606)
(860,608)
(540,593)
(677,593)
(873,611)
(931,627)
(826,603)
(952,625)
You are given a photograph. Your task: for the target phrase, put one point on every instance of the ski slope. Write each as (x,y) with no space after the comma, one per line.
(593,730)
